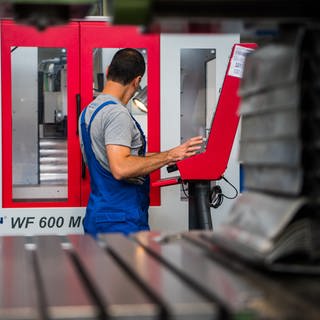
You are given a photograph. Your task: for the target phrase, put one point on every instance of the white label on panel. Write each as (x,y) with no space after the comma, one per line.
(238,60)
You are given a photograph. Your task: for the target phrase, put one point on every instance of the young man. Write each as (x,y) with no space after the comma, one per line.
(114,149)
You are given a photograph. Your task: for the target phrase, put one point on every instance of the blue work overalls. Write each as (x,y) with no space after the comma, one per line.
(114,205)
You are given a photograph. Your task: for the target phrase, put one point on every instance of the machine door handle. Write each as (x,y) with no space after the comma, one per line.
(172,168)
(78,103)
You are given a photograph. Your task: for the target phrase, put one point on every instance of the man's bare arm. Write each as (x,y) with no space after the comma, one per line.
(123,165)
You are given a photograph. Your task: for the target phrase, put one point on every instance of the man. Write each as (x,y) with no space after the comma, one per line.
(114,149)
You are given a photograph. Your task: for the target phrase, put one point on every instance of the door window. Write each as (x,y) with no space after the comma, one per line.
(39,124)
(41,156)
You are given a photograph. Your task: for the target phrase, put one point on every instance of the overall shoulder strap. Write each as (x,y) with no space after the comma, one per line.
(85,130)
(142,134)
(97,110)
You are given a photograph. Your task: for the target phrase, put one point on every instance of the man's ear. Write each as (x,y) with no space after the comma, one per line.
(107,70)
(137,81)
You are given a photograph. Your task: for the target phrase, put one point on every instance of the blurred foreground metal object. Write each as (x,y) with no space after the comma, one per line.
(147,276)
(45,13)
(153,13)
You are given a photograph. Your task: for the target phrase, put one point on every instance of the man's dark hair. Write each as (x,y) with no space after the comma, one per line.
(126,65)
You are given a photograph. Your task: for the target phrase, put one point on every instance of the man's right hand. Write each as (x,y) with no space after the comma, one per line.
(185,150)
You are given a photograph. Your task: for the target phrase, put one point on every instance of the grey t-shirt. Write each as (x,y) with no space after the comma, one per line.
(113,124)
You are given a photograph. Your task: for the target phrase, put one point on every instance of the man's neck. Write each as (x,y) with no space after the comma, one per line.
(116,90)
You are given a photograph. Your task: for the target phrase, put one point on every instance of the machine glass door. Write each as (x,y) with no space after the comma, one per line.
(40,142)
(99,42)
(39,124)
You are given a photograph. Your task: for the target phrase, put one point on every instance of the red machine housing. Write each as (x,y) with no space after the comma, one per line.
(212,163)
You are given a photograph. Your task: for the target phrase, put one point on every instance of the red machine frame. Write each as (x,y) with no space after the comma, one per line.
(79,38)
(20,35)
